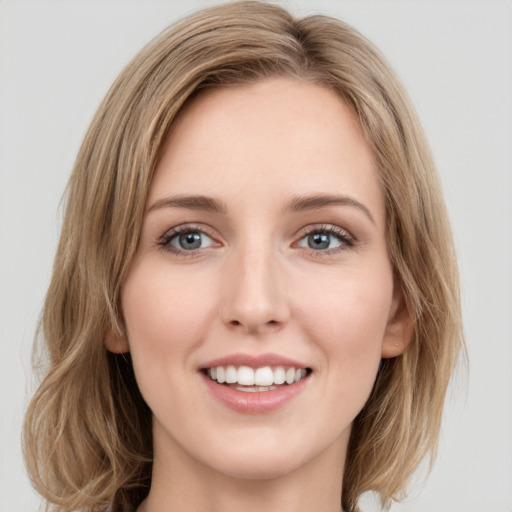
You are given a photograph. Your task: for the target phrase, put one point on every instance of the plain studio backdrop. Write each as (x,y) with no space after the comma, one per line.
(57,60)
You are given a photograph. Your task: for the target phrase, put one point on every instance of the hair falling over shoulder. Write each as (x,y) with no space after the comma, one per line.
(87,437)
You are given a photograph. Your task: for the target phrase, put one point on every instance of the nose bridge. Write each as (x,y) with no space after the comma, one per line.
(254,298)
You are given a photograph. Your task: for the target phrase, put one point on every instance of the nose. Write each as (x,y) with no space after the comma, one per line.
(254,296)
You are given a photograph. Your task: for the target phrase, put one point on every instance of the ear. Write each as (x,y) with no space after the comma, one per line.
(399,329)
(116,342)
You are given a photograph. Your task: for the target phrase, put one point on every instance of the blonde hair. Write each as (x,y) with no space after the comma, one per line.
(87,435)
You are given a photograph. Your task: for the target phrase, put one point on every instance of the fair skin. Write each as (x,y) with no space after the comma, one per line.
(264,239)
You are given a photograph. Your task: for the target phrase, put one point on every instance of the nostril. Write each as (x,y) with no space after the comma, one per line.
(269,323)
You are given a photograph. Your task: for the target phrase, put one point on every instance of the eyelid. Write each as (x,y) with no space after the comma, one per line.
(347,239)
(164,241)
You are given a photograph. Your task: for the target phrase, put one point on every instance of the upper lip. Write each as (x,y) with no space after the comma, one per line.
(254,361)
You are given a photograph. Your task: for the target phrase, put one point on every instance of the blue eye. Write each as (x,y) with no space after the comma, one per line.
(185,239)
(326,239)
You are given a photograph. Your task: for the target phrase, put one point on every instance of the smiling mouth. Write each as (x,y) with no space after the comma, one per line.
(265,378)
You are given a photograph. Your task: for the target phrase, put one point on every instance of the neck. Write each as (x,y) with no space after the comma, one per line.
(187,484)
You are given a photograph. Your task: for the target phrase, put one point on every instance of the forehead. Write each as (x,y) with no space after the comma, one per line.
(277,136)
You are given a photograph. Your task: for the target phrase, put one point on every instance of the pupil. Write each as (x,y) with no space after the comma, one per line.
(318,241)
(190,241)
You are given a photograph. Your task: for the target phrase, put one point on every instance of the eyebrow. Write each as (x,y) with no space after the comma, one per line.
(297,204)
(318,201)
(203,203)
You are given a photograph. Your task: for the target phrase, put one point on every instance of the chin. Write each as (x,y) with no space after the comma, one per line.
(259,468)
(269,456)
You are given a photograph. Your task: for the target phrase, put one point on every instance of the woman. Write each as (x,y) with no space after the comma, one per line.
(255,298)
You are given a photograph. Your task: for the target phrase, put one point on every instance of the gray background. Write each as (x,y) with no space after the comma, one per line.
(57,60)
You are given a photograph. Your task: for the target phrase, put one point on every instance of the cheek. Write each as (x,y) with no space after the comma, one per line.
(165,317)
(348,304)
(347,320)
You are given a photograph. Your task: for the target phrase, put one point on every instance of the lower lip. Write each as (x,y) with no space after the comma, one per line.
(257,402)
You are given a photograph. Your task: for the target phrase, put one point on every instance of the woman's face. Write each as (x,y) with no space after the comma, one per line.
(262,259)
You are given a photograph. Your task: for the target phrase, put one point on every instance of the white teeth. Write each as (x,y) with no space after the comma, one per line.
(264,376)
(231,375)
(253,389)
(279,375)
(260,379)
(245,376)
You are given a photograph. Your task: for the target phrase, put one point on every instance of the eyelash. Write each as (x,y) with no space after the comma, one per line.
(165,241)
(347,241)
